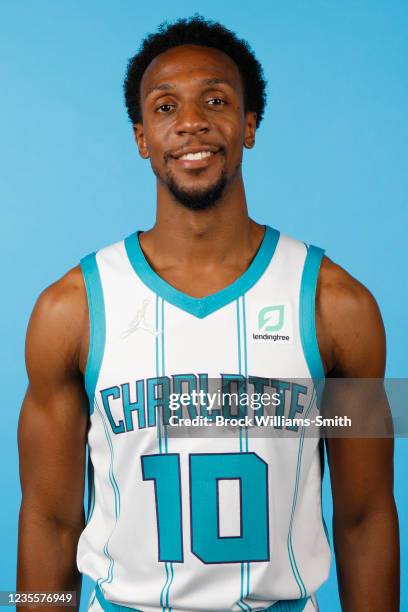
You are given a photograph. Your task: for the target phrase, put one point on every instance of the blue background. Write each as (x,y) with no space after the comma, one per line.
(328,167)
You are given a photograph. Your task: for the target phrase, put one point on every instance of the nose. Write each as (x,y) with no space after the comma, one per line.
(191,119)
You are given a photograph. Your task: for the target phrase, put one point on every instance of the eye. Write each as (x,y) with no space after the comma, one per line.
(216,101)
(164,108)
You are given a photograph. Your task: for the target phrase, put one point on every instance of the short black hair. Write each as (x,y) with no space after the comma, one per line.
(196,31)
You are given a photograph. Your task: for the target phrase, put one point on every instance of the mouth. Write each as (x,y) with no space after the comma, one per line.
(199,157)
(195,156)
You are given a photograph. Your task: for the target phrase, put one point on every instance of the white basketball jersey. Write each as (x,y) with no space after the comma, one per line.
(202,523)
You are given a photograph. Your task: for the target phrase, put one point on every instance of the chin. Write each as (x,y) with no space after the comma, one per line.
(197,198)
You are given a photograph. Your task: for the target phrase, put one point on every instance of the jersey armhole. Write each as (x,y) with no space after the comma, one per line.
(97,327)
(307,318)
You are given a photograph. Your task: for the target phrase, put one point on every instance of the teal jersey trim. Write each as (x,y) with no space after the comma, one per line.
(294,605)
(97,326)
(201,307)
(108,606)
(91,488)
(322,463)
(307,311)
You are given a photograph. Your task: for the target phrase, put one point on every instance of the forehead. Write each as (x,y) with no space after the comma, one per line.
(190,63)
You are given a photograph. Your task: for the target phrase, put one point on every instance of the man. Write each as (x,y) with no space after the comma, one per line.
(190,299)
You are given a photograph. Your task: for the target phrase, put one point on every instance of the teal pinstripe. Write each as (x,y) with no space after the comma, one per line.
(244,566)
(157,371)
(248,568)
(292,559)
(166,445)
(239,364)
(164,595)
(111,472)
(116,493)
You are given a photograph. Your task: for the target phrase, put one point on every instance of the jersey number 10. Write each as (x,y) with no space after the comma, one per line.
(205,470)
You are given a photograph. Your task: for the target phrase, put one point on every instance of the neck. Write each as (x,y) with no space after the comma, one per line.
(187,238)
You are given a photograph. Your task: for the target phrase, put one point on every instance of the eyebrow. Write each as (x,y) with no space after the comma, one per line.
(217,81)
(167,86)
(161,87)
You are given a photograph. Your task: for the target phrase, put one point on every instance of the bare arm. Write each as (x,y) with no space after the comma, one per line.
(365,522)
(52,441)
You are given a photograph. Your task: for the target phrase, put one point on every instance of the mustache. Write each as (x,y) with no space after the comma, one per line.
(221,149)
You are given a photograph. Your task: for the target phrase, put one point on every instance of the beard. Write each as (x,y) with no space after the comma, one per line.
(194,199)
(197,199)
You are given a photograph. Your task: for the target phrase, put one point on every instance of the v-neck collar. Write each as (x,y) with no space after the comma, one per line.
(201,307)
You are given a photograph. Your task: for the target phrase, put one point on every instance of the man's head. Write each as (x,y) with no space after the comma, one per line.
(195,94)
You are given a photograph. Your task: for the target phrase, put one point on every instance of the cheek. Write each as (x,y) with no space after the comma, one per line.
(155,149)
(156,138)
(233,129)
(235,143)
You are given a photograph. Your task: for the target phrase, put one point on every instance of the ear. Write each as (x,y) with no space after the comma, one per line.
(140,140)
(250,129)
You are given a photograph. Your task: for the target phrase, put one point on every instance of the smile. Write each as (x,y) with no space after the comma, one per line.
(196,159)
(194,156)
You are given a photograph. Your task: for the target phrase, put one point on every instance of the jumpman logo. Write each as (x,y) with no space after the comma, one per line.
(139,322)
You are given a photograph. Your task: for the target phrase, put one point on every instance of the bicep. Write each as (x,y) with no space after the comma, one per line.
(361,460)
(53,418)
(361,474)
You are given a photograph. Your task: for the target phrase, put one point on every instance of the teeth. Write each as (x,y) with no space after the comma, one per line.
(193,156)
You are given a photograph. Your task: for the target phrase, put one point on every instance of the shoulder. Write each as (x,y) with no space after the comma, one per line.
(58,324)
(64,299)
(339,290)
(349,324)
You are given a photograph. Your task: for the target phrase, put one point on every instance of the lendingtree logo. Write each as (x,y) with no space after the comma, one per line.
(271,318)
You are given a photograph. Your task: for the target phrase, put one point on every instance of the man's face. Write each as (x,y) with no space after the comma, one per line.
(194,124)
